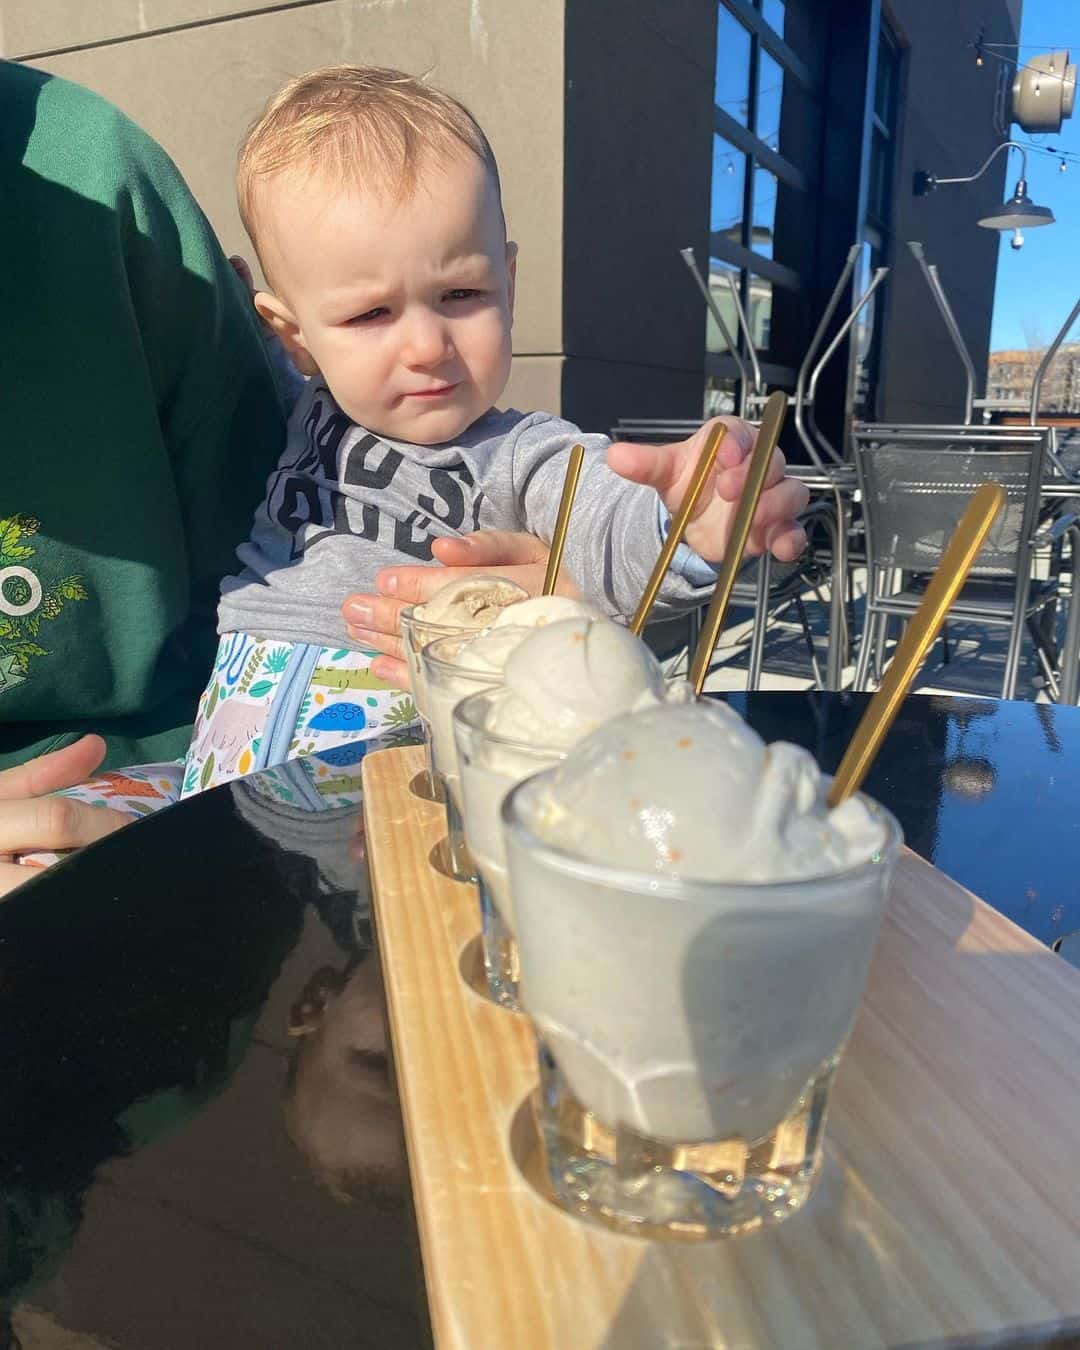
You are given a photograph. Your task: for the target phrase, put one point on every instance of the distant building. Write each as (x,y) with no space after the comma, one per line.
(1010,375)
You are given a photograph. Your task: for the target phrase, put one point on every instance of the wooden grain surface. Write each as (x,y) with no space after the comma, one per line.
(948,1213)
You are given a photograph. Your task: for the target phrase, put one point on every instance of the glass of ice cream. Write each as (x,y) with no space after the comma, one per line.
(695,928)
(455,666)
(460,606)
(558,685)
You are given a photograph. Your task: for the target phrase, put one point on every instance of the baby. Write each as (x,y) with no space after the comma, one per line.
(374,205)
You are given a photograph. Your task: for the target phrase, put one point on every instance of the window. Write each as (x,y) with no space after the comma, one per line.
(732,88)
(728,191)
(883,133)
(766,150)
(764,218)
(773,12)
(877,225)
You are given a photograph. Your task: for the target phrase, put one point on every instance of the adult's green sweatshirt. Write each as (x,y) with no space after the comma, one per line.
(138,424)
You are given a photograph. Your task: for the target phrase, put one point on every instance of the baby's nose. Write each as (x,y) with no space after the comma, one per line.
(427,341)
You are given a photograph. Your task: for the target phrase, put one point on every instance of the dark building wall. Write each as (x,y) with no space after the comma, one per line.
(638,135)
(947,128)
(639,88)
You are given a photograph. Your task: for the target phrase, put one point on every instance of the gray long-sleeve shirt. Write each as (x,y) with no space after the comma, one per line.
(344,503)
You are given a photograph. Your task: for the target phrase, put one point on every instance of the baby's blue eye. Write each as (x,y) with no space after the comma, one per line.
(369,315)
(462,293)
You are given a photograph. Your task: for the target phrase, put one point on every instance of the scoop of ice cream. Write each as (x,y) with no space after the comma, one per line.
(568,677)
(540,610)
(473,603)
(692,792)
(488,651)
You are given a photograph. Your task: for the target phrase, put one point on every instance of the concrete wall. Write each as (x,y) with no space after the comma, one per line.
(195,72)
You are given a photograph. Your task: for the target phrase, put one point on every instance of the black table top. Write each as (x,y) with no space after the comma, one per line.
(200,1144)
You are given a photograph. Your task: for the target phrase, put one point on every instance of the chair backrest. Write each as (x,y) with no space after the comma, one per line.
(654,430)
(916,481)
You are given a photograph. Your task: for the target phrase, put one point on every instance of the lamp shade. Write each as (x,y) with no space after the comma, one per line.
(1018,213)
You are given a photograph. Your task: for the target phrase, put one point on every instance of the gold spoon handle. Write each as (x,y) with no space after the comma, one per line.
(562,520)
(772,420)
(924,626)
(677,529)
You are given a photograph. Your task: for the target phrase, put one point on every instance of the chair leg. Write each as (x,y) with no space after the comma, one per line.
(1070,652)
(881,642)
(866,644)
(808,638)
(761,622)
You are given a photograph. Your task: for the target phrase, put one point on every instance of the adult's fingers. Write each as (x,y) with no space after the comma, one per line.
(491,548)
(12,875)
(381,642)
(48,773)
(391,671)
(374,620)
(53,823)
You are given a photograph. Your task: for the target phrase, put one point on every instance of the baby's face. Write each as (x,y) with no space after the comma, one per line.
(404,306)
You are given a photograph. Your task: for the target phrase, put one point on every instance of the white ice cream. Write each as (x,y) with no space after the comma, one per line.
(568,679)
(473,603)
(559,684)
(475,662)
(679,995)
(693,792)
(459,606)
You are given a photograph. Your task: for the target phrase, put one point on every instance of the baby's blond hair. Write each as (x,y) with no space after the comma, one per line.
(358,126)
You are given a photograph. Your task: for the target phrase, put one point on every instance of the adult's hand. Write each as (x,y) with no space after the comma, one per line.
(32,819)
(375,620)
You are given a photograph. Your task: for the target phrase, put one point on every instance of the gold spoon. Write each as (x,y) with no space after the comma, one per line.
(772,419)
(677,529)
(924,626)
(562,520)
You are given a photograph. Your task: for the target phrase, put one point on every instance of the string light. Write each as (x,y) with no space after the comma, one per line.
(1062,167)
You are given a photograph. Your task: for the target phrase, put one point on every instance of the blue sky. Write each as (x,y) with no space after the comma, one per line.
(1037,285)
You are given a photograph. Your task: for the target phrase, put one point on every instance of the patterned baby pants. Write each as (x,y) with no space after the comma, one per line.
(267,702)
(270,701)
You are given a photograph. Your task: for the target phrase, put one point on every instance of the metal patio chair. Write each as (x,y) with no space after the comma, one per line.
(914,483)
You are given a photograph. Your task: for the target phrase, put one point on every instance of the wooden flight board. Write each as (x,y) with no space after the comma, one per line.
(948,1211)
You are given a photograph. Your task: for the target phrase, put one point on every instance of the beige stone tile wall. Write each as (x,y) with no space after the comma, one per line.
(32,27)
(196,88)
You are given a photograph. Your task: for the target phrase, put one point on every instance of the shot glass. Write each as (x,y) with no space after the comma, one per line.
(490,765)
(688,1030)
(415,636)
(446,683)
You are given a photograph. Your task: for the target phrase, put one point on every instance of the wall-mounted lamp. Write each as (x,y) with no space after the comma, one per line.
(1018,213)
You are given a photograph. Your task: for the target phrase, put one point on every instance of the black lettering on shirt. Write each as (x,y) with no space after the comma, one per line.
(356,472)
(415,545)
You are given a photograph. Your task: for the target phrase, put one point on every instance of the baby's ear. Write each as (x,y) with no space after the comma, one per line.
(277,316)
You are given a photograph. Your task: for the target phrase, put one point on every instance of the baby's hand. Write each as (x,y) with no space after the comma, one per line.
(669,469)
